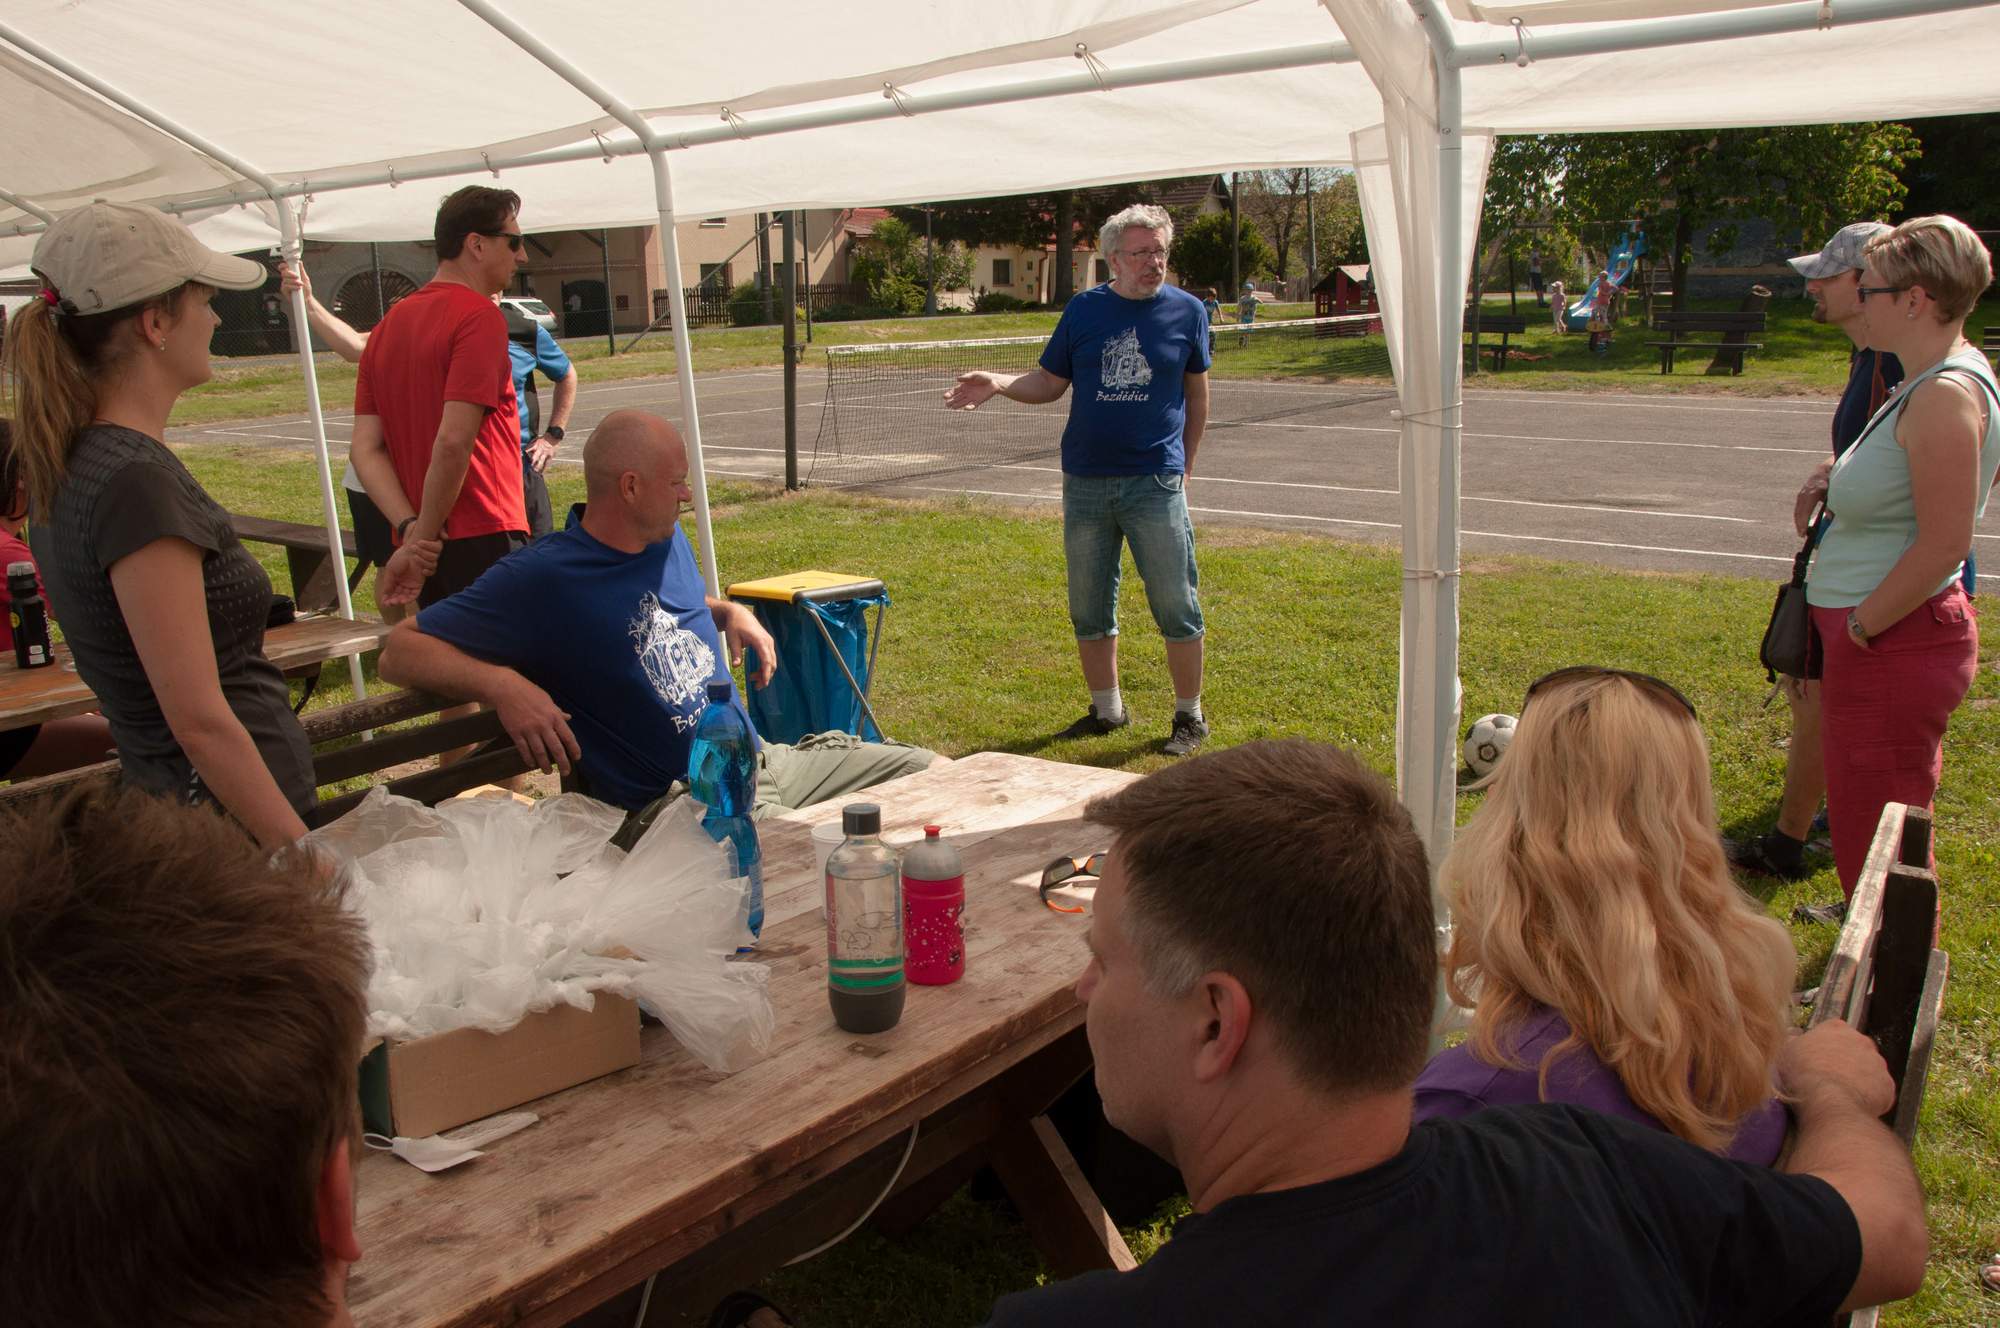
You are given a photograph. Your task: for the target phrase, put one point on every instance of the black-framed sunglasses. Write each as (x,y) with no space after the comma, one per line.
(1863,292)
(1659,686)
(515,240)
(1068,869)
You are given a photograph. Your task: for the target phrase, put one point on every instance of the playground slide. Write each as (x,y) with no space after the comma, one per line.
(1625,255)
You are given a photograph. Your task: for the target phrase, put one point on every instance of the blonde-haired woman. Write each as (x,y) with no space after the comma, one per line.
(1609,959)
(163,608)
(1897,641)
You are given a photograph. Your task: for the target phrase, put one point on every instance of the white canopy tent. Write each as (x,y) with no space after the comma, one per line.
(351,119)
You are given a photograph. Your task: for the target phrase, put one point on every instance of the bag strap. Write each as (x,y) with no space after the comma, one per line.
(1804,560)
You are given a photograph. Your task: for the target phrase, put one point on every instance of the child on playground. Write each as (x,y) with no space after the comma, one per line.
(1601,295)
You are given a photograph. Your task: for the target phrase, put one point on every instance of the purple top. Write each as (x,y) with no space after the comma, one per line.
(1458,1083)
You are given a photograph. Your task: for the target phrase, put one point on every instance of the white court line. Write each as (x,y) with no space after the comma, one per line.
(1394,493)
(1805,408)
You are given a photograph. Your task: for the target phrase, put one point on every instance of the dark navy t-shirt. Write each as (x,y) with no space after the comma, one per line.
(1863,394)
(624,642)
(1125,360)
(1515,1215)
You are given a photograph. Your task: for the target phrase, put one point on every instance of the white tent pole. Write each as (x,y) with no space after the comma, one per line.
(439,167)
(294,248)
(32,209)
(301,334)
(663,197)
(1726,25)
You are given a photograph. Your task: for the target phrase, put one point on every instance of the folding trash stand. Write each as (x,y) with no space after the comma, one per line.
(805,694)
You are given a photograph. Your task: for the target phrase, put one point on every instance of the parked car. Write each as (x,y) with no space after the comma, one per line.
(522,311)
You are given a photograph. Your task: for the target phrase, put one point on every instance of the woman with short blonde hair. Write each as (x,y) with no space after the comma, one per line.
(1608,957)
(1894,637)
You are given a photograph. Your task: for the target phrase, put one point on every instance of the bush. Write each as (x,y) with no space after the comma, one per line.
(746,306)
(998,302)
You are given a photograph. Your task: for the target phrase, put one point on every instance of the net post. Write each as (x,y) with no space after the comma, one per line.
(788,220)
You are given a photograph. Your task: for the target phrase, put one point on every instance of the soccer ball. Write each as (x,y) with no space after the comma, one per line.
(1486,742)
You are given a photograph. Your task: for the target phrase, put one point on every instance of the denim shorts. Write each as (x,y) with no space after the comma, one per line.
(1102,512)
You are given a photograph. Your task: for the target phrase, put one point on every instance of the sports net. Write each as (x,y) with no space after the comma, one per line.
(884,420)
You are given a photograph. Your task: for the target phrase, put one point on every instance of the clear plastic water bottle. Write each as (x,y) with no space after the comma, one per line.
(864,926)
(722,777)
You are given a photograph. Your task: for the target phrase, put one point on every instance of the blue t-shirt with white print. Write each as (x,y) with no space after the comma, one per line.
(1125,360)
(624,642)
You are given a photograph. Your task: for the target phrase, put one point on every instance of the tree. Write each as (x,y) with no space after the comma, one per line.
(1956,175)
(1806,180)
(1337,221)
(895,269)
(1201,252)
(1276,201)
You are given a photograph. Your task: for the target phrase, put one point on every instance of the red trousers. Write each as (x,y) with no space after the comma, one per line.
(1883,712)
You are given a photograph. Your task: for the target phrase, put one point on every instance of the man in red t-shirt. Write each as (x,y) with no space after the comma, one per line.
(437,431)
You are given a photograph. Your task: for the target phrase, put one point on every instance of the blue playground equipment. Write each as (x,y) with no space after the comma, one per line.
(1625,256)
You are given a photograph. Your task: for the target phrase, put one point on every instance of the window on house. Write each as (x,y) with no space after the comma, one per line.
(1003,271)
(715,276)
(1103,272)
(714,221)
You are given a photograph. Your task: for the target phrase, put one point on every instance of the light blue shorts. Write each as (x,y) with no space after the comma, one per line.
(1102,512)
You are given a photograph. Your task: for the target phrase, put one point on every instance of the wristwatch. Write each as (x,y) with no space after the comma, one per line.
(1854,627)
(553,433)
(403,528)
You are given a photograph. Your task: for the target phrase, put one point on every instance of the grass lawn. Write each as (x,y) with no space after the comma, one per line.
(1799,358)
(1284,663)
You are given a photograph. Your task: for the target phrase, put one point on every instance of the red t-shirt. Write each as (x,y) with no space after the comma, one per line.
(445,343)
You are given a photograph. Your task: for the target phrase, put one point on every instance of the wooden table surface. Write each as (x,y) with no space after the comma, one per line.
(34,696)
(641,1169)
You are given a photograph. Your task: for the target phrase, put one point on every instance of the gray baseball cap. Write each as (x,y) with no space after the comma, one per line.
(1842,252)
(109,256)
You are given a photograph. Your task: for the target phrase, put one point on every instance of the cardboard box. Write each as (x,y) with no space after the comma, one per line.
(420,1087)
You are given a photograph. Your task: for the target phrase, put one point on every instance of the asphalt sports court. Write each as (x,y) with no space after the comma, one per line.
(1683,483)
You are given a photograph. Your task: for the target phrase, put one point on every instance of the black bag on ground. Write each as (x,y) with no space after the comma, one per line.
(1787,644)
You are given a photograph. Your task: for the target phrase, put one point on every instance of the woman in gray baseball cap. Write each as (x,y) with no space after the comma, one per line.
(163,608)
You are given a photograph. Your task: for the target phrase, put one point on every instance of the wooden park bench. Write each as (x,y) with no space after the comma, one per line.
(1734,325)
(342,752)
(1885,977)
(308,557)
(1989,341)
(1507,325)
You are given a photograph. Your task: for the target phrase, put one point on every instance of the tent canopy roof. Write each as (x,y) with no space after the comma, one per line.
(424,87)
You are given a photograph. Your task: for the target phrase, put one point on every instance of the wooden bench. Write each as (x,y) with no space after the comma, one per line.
(1989,341)
(1885,977)
(1734,325)
(308,557)
(336,758)
(1507,325)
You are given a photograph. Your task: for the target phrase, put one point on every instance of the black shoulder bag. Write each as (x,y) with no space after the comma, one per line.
(1787,644)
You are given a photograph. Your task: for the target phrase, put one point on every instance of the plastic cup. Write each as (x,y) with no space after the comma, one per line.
(826,838)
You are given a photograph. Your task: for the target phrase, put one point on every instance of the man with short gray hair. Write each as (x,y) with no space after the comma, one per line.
(1137,349)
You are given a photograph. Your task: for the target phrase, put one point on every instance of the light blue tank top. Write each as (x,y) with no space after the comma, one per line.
(1874,519)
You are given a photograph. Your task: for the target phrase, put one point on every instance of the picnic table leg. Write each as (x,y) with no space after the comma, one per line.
(1064,1216)
(312,579)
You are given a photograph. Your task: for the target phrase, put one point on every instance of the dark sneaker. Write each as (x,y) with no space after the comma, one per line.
(1189,732)
(1756,855)
(1091,726)
(1836,912)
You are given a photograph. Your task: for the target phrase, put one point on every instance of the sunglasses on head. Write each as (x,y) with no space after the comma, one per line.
(1659,686)
(1068,869)
(515,240)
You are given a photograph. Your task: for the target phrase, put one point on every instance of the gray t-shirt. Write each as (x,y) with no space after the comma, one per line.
(122,491)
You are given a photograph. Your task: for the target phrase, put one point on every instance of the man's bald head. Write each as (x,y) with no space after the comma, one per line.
(625,441)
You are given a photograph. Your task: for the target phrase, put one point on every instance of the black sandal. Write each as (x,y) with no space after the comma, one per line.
(736,1308)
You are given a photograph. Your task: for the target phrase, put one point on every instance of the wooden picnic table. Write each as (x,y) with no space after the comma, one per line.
(716,1179)
(35,696)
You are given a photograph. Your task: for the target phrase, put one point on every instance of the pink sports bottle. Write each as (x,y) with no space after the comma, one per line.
(934,905)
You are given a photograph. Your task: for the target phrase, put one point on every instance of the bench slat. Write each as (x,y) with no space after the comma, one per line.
(388,749)
(488,766)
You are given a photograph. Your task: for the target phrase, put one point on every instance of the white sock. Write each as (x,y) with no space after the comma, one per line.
(1188,705)
(1110,704)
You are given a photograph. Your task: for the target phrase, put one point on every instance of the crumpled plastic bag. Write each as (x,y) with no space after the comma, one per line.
(482,911)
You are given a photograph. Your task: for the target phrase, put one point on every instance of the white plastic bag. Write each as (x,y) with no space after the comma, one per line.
(485,910)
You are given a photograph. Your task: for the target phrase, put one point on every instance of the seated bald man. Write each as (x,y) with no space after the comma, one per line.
(596,644)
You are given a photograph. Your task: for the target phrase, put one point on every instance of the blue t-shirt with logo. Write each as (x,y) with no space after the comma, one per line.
(624,642)
(545,355)
(1125,360)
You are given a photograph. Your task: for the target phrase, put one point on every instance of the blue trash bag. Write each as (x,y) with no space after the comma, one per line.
(809,694)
